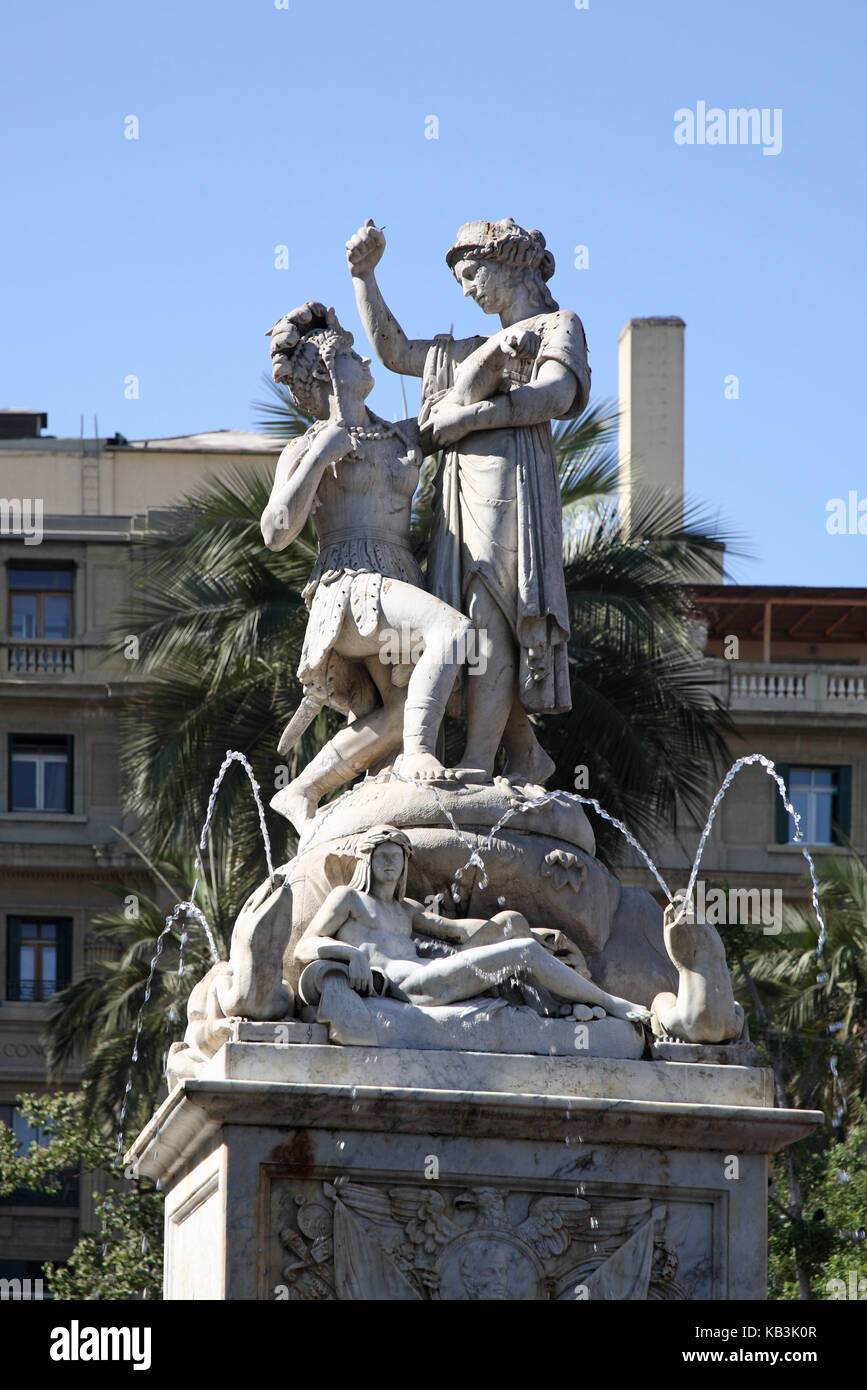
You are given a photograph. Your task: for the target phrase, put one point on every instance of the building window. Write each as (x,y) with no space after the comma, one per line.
(40,773)
(822,796)
(39,957)
(11,1116)
(64,1189)
(40,602)
(40,620)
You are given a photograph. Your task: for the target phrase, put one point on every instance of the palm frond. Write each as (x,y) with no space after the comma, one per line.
(278,415)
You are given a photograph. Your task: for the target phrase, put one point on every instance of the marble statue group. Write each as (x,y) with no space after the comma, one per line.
(446,1055)
(433,905)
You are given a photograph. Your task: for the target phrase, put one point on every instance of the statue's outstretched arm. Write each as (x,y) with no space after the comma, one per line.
(443,928)
(391,345)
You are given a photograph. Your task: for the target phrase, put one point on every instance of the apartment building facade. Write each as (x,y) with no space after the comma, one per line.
(790,664)
(69,512)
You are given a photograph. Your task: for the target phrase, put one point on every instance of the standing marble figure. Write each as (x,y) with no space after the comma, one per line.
(496,550)
(356,475)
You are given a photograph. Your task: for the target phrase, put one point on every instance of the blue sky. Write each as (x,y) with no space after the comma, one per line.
(262,127)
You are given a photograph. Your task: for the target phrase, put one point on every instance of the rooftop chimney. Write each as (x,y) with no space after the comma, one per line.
(22,424)
(651,409)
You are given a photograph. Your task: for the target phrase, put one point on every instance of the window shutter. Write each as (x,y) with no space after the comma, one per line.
(64,954)
(783,818)
(13,958)
(843,826)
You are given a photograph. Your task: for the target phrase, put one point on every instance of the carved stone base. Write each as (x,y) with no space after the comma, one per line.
(391,1174)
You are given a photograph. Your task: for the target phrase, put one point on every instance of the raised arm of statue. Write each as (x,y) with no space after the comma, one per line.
(296,479)
(390,343)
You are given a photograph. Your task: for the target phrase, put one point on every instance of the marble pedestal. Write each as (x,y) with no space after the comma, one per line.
(301,1169)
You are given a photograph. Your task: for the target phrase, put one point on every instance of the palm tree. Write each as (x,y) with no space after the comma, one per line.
(97,1017)
(221,621)
(805,1011)
(819,1005)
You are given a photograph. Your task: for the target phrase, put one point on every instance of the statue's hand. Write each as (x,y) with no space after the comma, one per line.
(364,249)
(523,344)
(331,443)
(675,911)
(360,978)
(449,422)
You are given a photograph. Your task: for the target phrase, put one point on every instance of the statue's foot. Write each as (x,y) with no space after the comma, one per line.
(524,791)
(424,767)
(297,807)
(535,766)
(473,775)
(638,1014)
(623,1008)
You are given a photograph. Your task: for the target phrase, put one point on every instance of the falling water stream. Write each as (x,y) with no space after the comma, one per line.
(185,911)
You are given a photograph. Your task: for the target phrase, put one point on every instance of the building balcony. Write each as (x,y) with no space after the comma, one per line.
(40,657)
(46,661)
(792,687)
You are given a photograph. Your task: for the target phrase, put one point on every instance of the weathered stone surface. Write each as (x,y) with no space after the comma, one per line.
(330,1187)
(740,1054)
(578,1075)
(391,799)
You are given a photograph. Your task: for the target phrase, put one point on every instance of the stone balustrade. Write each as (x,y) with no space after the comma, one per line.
(811,689)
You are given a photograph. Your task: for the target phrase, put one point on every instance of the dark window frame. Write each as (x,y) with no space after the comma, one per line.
(41,594)
(64,741)
(16,923)
(841,805)
(65,1193)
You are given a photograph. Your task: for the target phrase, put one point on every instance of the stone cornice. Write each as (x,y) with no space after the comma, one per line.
(197,1110)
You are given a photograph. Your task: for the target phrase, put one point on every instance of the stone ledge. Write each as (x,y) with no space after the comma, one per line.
(579,1074)
(198,1109)
(713,1054)
(286,1031)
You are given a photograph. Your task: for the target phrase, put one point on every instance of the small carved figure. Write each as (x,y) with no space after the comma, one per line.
(704,1009)
(368,926)
(249,984)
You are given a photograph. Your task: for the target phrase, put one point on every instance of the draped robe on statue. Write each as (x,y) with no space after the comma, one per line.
(498,513)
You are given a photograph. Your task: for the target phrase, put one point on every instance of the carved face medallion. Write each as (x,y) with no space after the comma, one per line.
(489,1265)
